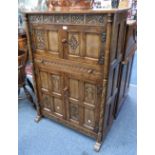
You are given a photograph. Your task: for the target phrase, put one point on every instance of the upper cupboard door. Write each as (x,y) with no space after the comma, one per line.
(83,43)
(46,40)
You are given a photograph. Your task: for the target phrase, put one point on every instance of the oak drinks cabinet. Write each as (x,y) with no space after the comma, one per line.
(76,58)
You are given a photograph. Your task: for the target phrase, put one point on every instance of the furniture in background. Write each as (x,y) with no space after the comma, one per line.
(76,57)
(69,4)
(126,64)
(22,61)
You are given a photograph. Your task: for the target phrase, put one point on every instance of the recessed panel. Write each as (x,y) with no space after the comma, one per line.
(56,84)
(74,88)
(89,118)
(89,93)
(74,112)
(47,102)
(58,106)
(53,41)
(92,45)
(44,79)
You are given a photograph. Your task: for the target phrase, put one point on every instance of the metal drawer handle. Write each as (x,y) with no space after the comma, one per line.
(58,107)
(90,71)
(64,41)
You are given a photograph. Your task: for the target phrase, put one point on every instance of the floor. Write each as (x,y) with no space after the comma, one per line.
(133,79)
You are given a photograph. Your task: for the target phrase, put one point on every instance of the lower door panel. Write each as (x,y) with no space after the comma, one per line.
(69,97)
(82,102)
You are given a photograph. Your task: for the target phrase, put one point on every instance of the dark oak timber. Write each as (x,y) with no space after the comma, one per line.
(76,57)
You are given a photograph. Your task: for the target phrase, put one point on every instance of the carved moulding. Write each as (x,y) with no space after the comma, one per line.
(74,19)
(61,65)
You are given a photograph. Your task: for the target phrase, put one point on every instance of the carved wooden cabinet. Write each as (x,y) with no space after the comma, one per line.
(76,57)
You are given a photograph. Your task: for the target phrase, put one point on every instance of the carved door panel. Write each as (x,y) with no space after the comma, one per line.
(50,86)
(85,44)
(83,101)
(47,40)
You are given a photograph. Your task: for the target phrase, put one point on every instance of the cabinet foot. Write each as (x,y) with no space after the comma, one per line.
(97,146)
(37,119)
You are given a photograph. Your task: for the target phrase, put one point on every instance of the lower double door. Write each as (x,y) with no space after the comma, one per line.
(70,98)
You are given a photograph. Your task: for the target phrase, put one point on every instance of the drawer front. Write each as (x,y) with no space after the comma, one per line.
(83,70)
(83,41)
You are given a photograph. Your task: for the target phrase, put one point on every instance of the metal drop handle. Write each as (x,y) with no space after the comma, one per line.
(64,41)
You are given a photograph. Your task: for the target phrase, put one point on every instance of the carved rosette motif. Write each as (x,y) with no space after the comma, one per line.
(73,43)
(40,39)
(74,19)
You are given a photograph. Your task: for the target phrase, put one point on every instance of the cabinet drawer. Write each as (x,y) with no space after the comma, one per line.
(82,70)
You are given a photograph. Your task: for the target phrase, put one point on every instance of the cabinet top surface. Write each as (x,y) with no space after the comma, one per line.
(68,11)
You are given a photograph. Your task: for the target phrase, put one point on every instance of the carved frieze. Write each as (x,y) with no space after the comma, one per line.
(47,19)
(95,19)
(36,19)
(61,19)
(77,19)
(74,19)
